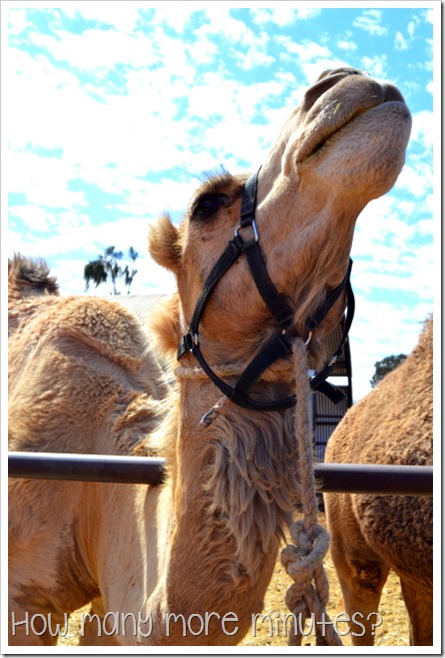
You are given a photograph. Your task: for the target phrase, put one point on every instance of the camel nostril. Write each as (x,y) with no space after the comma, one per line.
(391,93)
(326,80)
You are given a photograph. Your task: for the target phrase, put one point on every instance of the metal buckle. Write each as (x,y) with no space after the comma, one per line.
(190,340)
(256,235)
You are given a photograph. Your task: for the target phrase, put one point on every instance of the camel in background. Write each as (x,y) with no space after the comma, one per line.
(191,559)
(371,534)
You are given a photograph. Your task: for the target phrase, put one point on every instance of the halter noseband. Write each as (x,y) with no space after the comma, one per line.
(280,345)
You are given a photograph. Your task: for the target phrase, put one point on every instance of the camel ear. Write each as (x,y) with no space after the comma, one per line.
(163,244)
(164,327)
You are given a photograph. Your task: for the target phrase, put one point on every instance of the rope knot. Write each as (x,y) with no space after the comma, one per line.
(303,557)
(309,593)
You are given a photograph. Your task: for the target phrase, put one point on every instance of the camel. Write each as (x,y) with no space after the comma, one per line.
(188,562)
(371,534)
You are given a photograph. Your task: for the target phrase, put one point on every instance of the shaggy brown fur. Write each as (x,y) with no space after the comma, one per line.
(82,379)
(370,533)
(30,277)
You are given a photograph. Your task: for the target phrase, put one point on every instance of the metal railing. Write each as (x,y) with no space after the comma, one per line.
(342,478)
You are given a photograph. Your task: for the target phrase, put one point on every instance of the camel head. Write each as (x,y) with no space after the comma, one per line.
(342,147)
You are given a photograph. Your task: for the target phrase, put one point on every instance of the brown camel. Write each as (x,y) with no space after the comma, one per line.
(194,556)
(371,534)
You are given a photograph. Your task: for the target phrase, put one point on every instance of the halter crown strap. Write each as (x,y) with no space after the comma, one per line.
(281,311)
(279,346)
(248,205)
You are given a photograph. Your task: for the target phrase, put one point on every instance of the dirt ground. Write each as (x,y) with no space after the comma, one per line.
(393,630)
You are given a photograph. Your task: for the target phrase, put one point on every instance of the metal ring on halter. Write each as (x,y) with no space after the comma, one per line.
(256,235)
(308,339)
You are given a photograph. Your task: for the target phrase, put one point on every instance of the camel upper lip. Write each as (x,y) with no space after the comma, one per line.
(338,118)
(319,138)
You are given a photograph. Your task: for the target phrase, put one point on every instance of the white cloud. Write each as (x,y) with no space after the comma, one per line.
(344,44)
(43,180)
(134,135)
(380,330)
(423,128)
(39,219)
(307,12)
(416,177)
(231,29)
(97,49)
(249,48)
(54,111)
(429,15)
(412,274)
(136,130)
(283,14)
(201,51)
(175,16)
(311,57)
(234,103)
(148,200)
(376,66)
(36,95)
(122,16)
(370,21)
(305,50)
(400,43)
(17,21)
(388,257)
(254,58)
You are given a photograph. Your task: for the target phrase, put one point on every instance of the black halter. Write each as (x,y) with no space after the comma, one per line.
(281,344)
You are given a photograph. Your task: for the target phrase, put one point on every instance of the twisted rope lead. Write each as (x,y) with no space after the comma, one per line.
(281,372)
(303,560)
(276,372)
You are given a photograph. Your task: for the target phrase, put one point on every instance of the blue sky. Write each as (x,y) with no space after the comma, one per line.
(115,109)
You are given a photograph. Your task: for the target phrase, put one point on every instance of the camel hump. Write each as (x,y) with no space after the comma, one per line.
(30,277)
(104,326)
(88,326)
(424,348)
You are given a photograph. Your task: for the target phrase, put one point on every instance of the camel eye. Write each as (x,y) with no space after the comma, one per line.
(207,205)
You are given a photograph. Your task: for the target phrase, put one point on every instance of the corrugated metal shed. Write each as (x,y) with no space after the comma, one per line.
(140,305)
(326,414)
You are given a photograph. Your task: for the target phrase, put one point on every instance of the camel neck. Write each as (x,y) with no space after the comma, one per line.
(234,488)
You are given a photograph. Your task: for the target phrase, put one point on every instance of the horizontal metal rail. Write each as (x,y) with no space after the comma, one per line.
(375,479)
(89,468)
(342,478)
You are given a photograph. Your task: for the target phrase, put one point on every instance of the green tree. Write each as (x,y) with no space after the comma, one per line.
(107,268)
(129,276)
(385,366)
(94,271)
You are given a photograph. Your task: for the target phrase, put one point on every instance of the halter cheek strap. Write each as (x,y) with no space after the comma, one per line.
(280,345)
